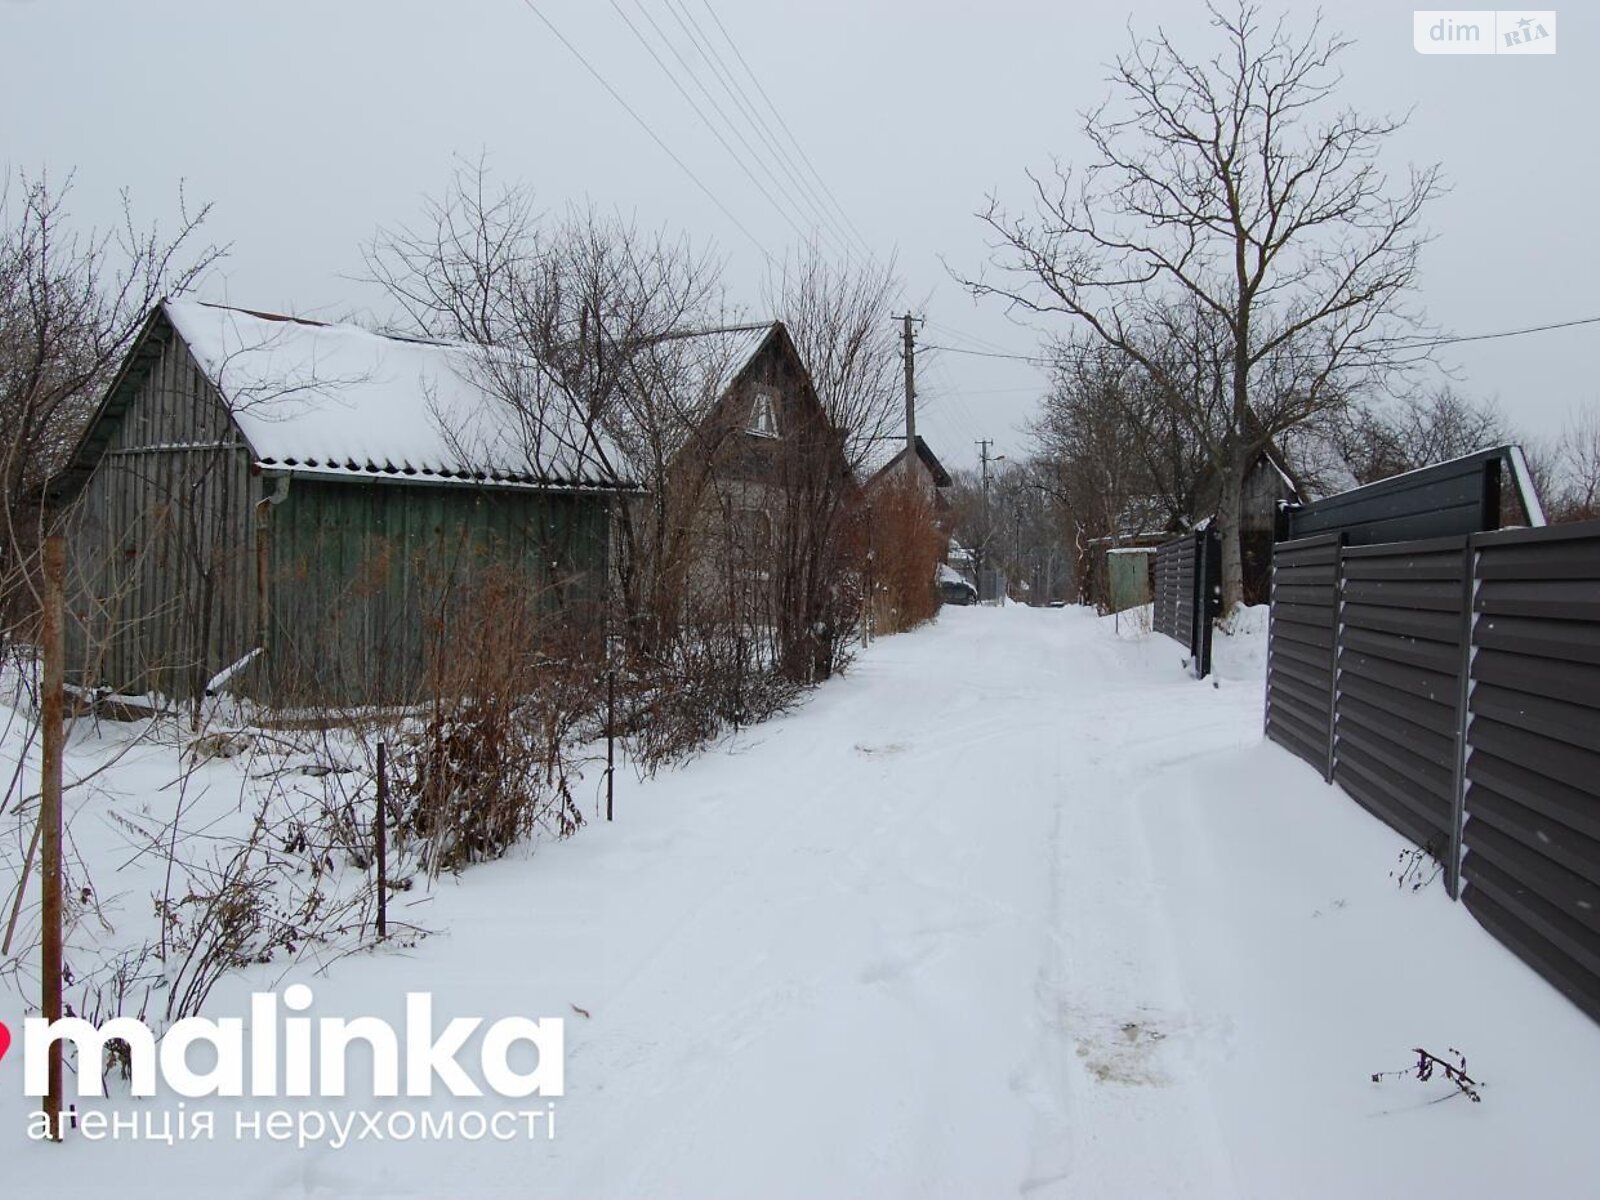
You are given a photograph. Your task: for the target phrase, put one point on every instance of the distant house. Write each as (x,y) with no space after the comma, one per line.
(1147,521)
(748,497)
(760,449)
(1277,479)
(890,460)
(306,496)
(1268,485)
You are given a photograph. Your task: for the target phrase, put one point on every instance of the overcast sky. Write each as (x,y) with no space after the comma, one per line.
(309,124)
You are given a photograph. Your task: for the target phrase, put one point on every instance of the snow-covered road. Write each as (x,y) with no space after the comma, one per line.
(1014,908)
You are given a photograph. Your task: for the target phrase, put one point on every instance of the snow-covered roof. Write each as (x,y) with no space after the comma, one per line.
(728,349)
(1319,468)
(342,400)
(948,574)
(882,453)
(879,453)
(738,345)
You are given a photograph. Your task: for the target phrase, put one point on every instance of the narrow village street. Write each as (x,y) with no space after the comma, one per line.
(1014,907)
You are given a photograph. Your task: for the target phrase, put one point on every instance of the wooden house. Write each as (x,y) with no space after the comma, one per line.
(302,501)
(892,461)
(763,460)
(753,508)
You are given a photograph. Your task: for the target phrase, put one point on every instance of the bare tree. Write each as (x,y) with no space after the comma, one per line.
(585,318)
(1577,467)
(612,347)
(840,317)
(1233,194)
(71,303)
(1114,450)
(1384,439)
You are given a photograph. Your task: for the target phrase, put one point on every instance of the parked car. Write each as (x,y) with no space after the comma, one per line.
(954,587)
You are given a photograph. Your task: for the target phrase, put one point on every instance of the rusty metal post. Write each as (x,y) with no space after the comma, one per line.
(380,838)
(52,734)
(611,729)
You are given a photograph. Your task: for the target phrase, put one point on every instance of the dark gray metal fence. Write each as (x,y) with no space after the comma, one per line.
(1452,687)
(1458,497)
(1300,648)
(1398,704)
(1532,800)
(1187,593)
(1174,598)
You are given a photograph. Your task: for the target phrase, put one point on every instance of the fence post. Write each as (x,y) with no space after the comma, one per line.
(1458,797)
(1272,629)
(1197,598)
(380,836)
(1333,665)
(1207,586)
(52,735)
(611,732)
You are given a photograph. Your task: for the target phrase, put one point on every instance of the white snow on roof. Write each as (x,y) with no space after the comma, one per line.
(1314,457)
(342,400)
(737,346)
(948,574)
(879,453)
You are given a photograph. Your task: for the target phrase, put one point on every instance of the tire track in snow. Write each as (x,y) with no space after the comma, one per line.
(1113,1005)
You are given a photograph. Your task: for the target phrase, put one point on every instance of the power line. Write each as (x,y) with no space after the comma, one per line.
(953,398)
(950,402)
(724,76)
(1028,358)
(715,132)
(1426,344)
(655,137)
(970,338)
(732,126)
(799,149)
(1034,389)
(1484,337)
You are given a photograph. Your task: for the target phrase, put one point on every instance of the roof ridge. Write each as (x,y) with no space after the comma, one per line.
(262,314)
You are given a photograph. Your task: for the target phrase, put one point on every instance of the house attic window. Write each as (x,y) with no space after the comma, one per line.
(764,413)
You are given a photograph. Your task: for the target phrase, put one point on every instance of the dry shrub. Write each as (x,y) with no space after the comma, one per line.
(509,683)
(712,674)
(907,547)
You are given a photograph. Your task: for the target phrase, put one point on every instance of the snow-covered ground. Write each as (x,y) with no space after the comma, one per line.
(1013,908)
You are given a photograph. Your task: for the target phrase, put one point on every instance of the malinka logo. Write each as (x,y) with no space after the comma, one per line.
(313,1056)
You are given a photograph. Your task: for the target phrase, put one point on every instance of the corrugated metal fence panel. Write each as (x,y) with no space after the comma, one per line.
(1300,646)
(1183,610)
(1402,631)
(1453,498)
(1532,834)
(1168,557)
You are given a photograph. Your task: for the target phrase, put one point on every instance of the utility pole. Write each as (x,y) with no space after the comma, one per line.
(909,341)
(977,551)
(983,457)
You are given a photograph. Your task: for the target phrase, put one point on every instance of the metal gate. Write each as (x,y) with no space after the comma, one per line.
(1189,592)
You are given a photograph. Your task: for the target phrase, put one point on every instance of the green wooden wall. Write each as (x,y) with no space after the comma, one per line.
(361,573)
